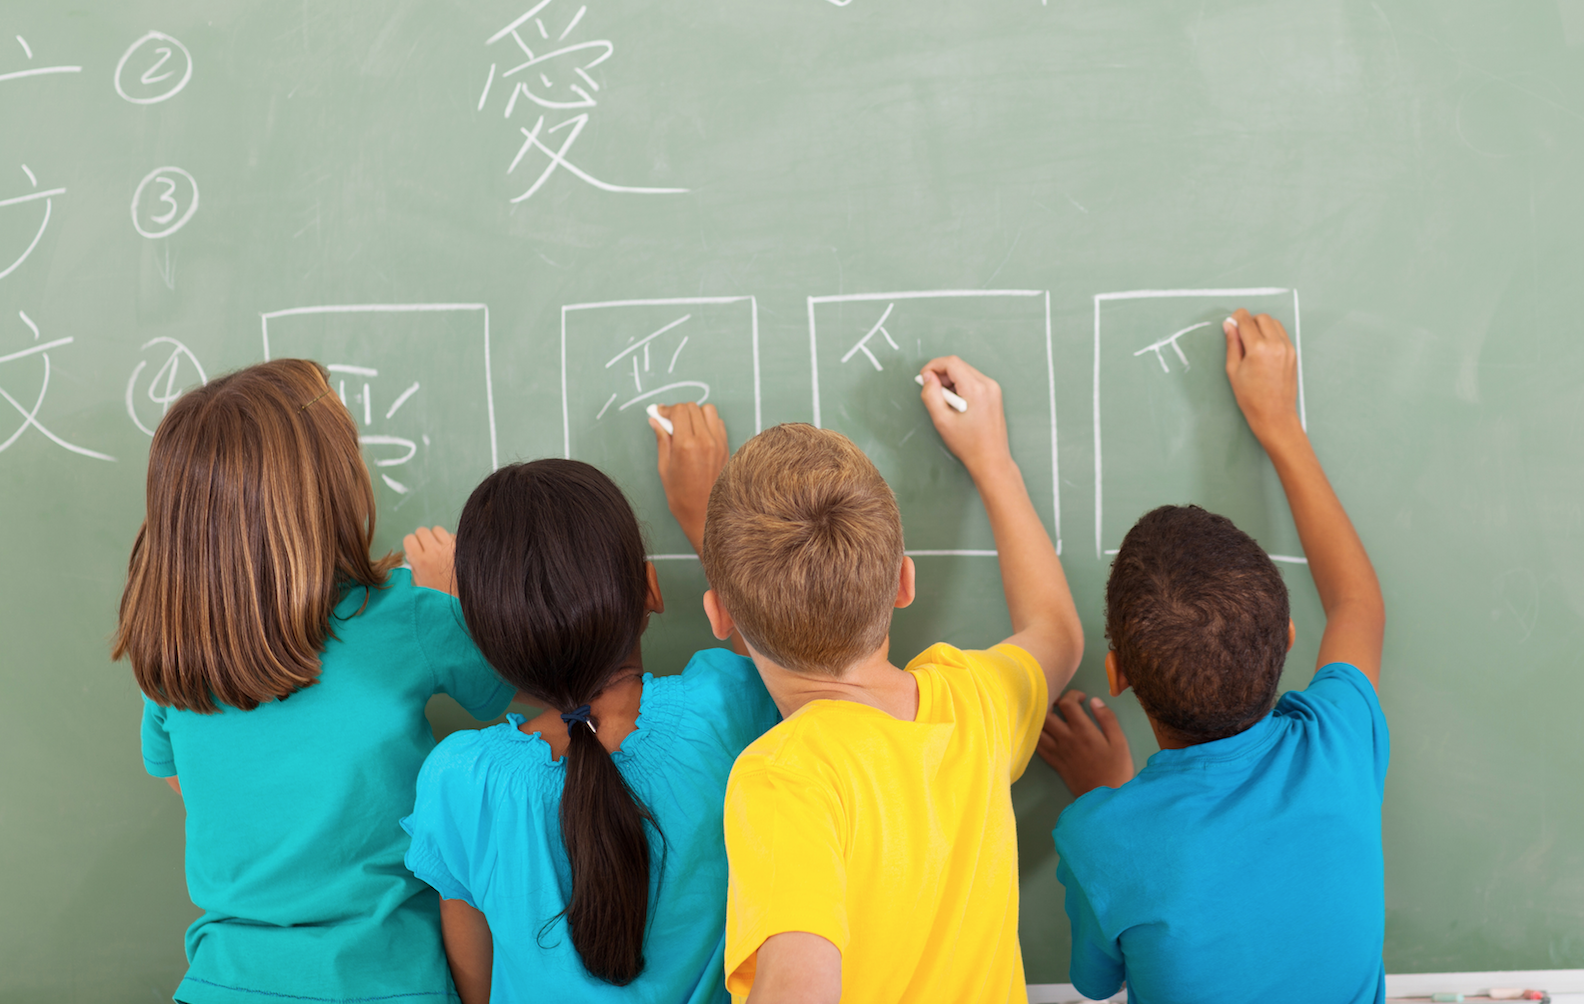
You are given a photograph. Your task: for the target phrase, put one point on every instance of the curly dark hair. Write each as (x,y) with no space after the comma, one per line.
(1197,614)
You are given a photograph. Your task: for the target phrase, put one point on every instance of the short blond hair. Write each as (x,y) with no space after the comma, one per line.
(803,546)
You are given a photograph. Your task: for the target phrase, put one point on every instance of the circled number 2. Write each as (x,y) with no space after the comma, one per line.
(163,214)
(160,66)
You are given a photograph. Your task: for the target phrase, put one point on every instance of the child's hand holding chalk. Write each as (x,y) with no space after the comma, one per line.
(653,411)
(951,398)
(691,443)
(978,435)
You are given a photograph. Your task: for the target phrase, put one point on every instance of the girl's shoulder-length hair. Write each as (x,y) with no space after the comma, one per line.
(260,516)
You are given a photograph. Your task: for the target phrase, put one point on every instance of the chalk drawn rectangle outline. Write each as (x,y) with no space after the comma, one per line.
(1167,294)
(408,308)
(934,294)
(753,314)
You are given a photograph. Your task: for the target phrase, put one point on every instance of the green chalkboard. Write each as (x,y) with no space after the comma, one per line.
(509,225)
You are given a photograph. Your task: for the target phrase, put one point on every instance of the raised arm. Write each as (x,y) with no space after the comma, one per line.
(691,457)
(1262,366)
(1044,621)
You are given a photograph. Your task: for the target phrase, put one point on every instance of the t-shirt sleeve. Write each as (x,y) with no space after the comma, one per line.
(458,666)
(1018,689)
(158,757)
(788,866)
(1096,968)
(1349,692)
(442,812)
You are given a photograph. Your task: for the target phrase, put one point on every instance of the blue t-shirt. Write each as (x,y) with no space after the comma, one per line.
(486,830)
(294,848)
(1242,870)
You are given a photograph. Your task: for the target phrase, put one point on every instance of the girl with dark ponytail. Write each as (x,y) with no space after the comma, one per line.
(579,856)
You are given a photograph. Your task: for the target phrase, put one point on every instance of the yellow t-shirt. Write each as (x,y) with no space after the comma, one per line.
(893,840)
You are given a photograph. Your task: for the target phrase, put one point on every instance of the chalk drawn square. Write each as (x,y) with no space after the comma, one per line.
(866,349)
(620,356)
(416,378)
(1167,428)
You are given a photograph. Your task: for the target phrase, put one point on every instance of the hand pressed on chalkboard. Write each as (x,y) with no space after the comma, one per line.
(1087,754)
(430,553)
(691,457)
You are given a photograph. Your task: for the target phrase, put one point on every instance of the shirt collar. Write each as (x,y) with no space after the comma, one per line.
(1250,742)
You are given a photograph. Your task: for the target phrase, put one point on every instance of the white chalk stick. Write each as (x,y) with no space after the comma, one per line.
(954,400)
(653,411)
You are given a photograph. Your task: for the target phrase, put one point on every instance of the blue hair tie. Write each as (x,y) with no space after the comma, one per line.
(578,715)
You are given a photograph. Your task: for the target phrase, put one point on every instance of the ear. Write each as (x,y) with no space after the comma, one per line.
(721,623)
(1292,634)
(654,603)
(1114,675)
(906,584)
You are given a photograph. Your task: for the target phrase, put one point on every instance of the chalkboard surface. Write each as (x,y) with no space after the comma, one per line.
(509,225)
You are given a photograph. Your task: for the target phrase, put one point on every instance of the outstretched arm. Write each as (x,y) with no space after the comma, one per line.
(1044,621)
(1262,366)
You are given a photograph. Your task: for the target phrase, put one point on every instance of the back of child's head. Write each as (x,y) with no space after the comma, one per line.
(803,547)
(551,576)
(259,514)
(1197,615)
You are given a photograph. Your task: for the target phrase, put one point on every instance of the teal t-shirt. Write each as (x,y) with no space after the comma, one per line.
(294,846)
(486,830)
(1242,870)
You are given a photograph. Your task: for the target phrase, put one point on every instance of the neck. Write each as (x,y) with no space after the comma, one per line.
(1167,738)
(614,709)
(872,680)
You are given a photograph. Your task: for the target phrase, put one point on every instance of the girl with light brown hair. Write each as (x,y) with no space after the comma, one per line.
(284,674)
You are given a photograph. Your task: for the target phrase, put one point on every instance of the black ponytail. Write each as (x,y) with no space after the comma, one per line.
(550,573)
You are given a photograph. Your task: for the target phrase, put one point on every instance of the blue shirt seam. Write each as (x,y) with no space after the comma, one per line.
(448,995)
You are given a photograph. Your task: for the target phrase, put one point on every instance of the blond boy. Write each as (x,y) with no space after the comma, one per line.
(870,835)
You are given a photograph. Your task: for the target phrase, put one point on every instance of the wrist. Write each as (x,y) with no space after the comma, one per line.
(1283,436)
(994,469)
(694,532)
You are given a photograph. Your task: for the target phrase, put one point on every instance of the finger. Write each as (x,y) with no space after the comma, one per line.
(1046,740)
(1234,342)
(443,536)
(1068,705)
(942,366)
(1107,720)
(410,546)
(1247,327)
(1047,748)
(1271,328)
(1055,725)
(716,425)
(662,443)
(426,539)
(934,400)
(960,375)
(1071,704)
(686,418)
